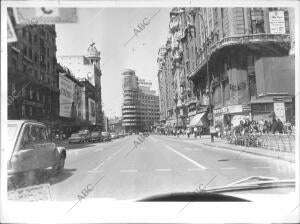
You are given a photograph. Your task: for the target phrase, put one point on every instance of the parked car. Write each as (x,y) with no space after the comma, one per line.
(78,138)
(94,136)
(114,135)
(30,150)
(106,136)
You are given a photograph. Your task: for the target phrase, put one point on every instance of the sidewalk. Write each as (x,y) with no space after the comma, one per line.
(220,143)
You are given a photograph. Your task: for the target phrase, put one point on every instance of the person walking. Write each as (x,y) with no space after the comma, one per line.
(188,132)
(279,126)
(274,127)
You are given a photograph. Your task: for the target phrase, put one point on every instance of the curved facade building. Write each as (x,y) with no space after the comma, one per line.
(140,110)
(130,101)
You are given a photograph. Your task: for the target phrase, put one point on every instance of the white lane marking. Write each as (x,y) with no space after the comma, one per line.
(100,149)
(228,168)
(261,167)
(194,169)
(95,171)
(101,164)
(153,139)
(187,158)
(128,171)
(163,170)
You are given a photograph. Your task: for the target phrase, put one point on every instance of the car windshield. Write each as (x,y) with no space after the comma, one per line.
(208,96)
(11,135)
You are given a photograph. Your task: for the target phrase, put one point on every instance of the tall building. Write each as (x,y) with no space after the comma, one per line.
(233,63)
(140,109)
(87,68)
(33,91)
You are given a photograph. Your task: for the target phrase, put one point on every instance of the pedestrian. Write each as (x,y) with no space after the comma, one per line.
(274,126)
(279,126)
(195,132)
(188,132)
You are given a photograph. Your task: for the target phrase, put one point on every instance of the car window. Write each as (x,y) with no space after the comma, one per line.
(34,133)
(43,134)
(26,138)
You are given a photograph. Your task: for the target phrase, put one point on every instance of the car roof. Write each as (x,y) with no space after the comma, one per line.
(19,122)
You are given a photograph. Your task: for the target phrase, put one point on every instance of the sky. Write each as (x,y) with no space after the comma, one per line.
(110,29)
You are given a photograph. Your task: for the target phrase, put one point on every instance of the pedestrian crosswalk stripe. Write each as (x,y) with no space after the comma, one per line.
(163,170)
(187,158)
(194,169)
(228,168)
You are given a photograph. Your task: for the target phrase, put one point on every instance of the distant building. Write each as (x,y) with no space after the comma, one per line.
(140,108)
(115,125)
(87,68)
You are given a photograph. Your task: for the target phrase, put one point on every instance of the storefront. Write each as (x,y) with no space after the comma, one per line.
(231,115)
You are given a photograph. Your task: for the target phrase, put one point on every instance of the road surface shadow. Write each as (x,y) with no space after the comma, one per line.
(43,177)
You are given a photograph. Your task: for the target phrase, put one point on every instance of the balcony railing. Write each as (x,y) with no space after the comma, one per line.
(242,40)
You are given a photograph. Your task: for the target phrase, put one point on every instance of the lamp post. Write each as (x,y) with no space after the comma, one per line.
(207,74)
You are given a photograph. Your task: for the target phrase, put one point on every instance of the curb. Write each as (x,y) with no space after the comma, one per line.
(246,151)
(251,152)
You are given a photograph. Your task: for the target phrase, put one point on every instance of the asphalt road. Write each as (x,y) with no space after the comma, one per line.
(159,164)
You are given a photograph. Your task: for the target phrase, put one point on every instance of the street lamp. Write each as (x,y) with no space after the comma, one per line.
(207,73)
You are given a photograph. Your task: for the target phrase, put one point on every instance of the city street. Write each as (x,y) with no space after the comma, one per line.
(160,164)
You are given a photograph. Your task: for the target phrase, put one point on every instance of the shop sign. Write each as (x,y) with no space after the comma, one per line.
(66,89)
(229,110)
(279,110)
(92,111)
(277,23)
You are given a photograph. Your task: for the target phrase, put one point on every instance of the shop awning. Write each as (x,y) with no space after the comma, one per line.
(196,121)
(236,119)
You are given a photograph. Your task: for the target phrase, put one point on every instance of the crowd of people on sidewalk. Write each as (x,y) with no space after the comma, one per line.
(276,126)
(262,127)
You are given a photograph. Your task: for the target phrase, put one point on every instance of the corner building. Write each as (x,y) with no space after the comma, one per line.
(237,57)
(140,109)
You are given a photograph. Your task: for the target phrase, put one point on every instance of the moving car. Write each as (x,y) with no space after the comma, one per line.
(78,138)
(30,150)
(106,136)
(94,136)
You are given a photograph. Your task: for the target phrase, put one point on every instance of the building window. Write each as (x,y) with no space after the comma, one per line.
(36,57)
(30,111)
(38,95)
(30,53)
(30,37)
(35,38)
(23,112)
(30,93)
(24,51)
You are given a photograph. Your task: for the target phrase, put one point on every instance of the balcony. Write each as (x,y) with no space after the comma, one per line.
(276,43)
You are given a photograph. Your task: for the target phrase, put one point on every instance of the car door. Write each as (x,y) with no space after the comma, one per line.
(25,156)
(45,148)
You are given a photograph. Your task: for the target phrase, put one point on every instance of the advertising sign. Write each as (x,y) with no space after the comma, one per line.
(277,24)
(92,111)
(279,110)
(66,89)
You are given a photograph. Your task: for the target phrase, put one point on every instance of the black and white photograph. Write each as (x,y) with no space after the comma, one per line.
(150,111)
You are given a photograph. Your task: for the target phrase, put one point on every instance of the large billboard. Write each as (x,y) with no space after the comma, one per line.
(66,89)
(92,111)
